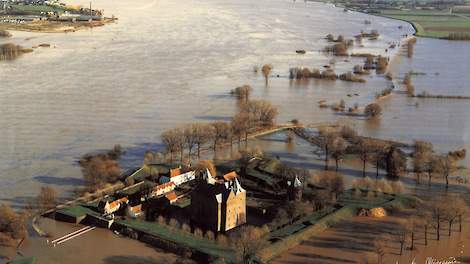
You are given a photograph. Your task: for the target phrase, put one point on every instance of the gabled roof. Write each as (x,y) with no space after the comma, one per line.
(136,209)
(163,186)
(230,176)
(175,172)
(171,196)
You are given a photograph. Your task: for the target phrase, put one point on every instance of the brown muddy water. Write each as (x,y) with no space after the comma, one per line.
(97,246)
(164,63)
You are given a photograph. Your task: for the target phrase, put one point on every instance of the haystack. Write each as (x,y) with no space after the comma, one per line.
(378,212)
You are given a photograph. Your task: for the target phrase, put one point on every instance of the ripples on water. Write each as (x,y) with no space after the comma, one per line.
(166,63)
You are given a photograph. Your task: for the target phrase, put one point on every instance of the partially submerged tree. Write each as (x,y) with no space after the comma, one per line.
(202,134)
(190,138)
(47,198)
(338,150)
(222,131)
(242,92)
(373,110)
(326,140)
(98,170)
(173,139)
(262,112)
(241,125)
(266,69)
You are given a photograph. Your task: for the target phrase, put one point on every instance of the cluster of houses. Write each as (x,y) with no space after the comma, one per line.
(53,10)
(216,203)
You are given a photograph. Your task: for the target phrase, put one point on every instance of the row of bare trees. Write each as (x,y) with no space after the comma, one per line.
(432,216)
(426,161)
(253,115)
(337,143)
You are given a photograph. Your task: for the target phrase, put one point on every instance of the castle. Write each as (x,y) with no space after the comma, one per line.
(219,204)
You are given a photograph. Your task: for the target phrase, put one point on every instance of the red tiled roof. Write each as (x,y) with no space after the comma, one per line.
(118,202)
(230,176)
(175,172)
(171,196)
(163,186)
(137,208)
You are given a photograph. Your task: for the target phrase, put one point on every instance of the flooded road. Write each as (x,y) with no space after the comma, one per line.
(166,63)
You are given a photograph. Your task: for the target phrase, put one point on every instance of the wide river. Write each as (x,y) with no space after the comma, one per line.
(166,63)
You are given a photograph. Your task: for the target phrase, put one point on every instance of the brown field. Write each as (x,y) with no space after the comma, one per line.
(351,241)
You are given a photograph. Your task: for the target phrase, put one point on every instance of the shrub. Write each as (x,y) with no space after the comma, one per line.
(350,77)
(210,235)
(161,220)
(373,110)
(186,228)
(382,64)
(198,232)
(242,92)
(4,34)
(222,240)
(10,51)
(174,223)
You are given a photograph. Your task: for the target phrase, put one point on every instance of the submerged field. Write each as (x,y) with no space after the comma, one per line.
(434,24)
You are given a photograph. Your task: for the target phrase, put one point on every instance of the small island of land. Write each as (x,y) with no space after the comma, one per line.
(48,17)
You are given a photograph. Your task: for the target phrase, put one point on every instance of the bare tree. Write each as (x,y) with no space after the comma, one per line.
(461,210)
(338,150)
(173,139)
(222,132)
(425,216)
(202,134)
(412,225)
(380,243)
(326,140)
(12,226)
(99,169)
(364,147)
(239,125)
(248,240)
(373,110)
(332,182)
(267,68)
(378,149)
(262,112)
(402,234)
(190,137)
(395,161)
(445,165)
(242,92)
(47,198)
(437,209)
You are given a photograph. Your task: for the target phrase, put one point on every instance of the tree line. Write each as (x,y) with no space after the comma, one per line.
(253,115)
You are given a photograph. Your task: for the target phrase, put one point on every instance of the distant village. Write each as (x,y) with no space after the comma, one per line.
(24,11)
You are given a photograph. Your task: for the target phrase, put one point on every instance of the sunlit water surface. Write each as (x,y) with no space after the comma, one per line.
(166,63)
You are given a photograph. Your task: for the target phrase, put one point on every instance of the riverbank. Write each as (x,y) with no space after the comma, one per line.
(55,27)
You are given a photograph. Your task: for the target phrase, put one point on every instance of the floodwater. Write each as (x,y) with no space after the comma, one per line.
(164,63)
(97,246)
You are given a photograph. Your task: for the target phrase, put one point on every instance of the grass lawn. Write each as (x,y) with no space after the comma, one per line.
(35,9)
(180,237)
(301,223)
(77,211)
(434,24)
